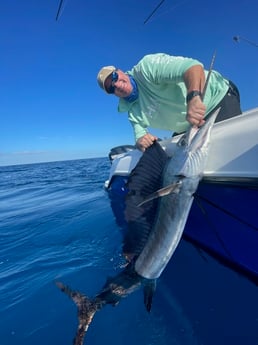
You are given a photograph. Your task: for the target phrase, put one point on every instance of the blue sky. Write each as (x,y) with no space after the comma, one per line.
(51,107)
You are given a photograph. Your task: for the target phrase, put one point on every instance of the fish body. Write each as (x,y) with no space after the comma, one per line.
(160,195)
(183,170)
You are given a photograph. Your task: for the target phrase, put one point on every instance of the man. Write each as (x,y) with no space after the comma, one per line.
(165,92)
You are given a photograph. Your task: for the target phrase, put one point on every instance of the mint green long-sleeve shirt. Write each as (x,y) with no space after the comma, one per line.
(162,93)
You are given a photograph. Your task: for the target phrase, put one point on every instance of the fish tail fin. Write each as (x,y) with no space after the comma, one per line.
(86,310)
(148,291)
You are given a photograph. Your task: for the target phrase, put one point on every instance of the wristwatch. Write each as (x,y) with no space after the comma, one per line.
(193,94)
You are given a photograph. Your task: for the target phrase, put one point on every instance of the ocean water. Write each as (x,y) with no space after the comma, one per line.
(56,223)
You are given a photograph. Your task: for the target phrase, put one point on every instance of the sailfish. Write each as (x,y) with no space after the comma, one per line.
(160,194)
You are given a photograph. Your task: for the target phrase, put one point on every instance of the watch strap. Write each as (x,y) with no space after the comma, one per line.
(193,94)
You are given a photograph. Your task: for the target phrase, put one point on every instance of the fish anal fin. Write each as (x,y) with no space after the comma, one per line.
(171,188)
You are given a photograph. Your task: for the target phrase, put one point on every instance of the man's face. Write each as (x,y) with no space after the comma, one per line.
(119,84)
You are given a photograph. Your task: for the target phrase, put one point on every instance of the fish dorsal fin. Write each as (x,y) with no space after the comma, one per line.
(144,179)
(171,188)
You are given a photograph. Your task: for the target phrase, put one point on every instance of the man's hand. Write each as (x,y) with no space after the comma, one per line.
(196,111)
(145,141)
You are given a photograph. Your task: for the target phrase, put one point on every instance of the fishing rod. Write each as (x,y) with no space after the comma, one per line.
(152,13)
(60,6)
(59,9)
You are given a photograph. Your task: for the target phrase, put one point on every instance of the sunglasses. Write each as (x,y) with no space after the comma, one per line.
(114,79)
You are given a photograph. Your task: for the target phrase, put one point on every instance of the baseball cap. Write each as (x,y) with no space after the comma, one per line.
(103,74)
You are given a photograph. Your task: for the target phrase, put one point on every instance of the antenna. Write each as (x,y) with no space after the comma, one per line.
(209,74)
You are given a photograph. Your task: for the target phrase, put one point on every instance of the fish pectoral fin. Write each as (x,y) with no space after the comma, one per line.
(148,291)
(171,188)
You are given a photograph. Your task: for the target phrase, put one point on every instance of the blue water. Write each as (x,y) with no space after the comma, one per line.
(57,224)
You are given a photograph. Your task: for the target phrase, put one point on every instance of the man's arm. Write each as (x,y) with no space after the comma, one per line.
(194,79)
